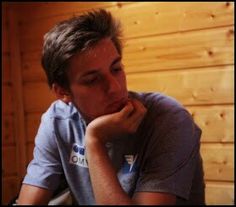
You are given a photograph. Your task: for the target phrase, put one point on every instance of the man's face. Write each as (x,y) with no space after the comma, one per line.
(97,80)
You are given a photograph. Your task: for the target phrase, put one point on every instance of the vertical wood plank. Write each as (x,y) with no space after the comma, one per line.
(5,31)
(17,91)
(7,102)
(32,125)
(8,130)
(9,161)
(10,189)
(6,76)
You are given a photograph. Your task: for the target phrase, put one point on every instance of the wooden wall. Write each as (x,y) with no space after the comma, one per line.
(182,49)
(10,150)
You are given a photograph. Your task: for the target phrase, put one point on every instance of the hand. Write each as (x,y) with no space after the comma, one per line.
(126,121)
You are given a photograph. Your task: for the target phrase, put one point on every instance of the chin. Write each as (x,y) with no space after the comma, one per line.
(113,110)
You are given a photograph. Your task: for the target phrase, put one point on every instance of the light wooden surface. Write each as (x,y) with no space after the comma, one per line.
(218,160)
(190,87)
(192,49)
(182,49)
(220,193)
(216,122)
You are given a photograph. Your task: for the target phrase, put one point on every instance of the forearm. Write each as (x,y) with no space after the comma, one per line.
(32,195)
(106,187)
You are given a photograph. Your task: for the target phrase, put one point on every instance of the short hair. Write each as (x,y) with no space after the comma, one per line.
(75,35)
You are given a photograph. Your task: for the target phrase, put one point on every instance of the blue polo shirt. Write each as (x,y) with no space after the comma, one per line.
(162,156)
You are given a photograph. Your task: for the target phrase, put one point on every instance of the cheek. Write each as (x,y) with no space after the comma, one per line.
(88,101)
(82,100)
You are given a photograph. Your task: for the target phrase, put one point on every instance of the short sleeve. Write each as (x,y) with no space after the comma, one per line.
(171,155)
(45,169)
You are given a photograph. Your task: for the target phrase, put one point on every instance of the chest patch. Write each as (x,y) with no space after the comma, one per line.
(77,156)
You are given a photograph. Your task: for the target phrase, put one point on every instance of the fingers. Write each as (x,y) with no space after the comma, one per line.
(127,110)
(131,115)
(138,113)
(139,106)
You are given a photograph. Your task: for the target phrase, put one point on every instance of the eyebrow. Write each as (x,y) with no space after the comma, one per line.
(94,71)
(118,59)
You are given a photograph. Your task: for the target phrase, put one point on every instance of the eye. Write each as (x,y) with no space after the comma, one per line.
(117,69)
(91,80)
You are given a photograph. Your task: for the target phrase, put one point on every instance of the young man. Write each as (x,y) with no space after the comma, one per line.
(111,145)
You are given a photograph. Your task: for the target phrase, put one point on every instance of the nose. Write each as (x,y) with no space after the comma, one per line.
(112,85)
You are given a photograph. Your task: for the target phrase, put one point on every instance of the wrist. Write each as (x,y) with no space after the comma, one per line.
(93,139)
(94,146)
(94,136)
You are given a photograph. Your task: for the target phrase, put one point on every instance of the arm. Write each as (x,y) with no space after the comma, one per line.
(31,195)
(44,171)
(106,187)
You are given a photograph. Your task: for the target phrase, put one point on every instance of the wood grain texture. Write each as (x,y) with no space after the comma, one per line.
(6,72)
(32,124)
(45,10)
(5,28)
(10,189)
(17,91)
(5,39)
(37,97)
(218,161)
(203,48)
(7,102)
(190,87)
(143,19)
(9,166)
(218,193)
(216,122)
(8,130)
(154,18)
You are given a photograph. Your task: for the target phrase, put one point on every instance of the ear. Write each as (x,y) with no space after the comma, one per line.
(61,93)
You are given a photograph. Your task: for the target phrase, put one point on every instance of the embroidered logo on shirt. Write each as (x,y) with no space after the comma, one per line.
(128,173)
(77,156)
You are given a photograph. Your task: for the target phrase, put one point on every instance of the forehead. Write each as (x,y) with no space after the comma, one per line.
(103,53)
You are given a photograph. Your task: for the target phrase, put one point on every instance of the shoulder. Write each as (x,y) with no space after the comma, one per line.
(60,110)
(165,115)
(158,102)
(58,121)
(57,116)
